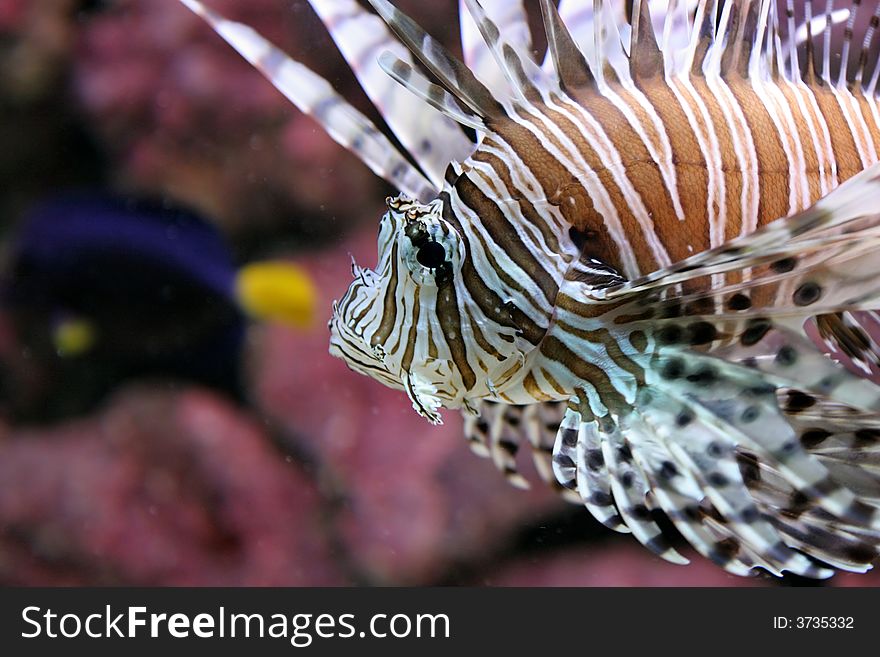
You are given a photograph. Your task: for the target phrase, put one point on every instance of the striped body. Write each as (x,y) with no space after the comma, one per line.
(674,167)
(636,179)
(640,179)
(621,268)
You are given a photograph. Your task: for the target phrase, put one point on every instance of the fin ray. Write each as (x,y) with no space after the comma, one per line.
(452,74)
(436,96)
(314,96)
(511,19)
(569,62)
(432,140)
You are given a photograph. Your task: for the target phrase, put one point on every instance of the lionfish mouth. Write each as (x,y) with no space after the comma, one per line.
(348,339)
(354,350)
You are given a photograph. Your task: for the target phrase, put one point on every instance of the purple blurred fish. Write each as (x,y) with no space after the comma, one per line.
(115,288)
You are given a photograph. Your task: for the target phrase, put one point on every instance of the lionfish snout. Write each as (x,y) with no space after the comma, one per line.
(355,319)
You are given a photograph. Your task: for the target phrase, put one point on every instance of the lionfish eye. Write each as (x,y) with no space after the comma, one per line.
(431,254)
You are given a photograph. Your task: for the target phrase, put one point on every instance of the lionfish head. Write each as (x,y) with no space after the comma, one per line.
(386,325)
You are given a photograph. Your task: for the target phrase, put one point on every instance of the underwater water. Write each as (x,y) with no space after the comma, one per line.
(152,430)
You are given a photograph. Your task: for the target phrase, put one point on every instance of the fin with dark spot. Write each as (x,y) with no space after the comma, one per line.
(499,431)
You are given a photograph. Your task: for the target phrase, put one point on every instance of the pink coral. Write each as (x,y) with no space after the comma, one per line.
(160,488)
(182,114)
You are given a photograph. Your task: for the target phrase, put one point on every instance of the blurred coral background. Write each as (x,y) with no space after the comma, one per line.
(314,475)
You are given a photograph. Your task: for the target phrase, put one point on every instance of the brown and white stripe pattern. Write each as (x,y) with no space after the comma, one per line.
(654,170)
(606,242)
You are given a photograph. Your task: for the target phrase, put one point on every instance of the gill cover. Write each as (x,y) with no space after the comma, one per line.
(429,254)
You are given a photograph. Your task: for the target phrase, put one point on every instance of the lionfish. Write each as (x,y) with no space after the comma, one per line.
(625,255)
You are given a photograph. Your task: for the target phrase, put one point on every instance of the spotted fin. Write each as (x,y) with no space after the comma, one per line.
(830,246)
(818,262)
(835,433)
(850,338)
(701,449)
(695,448)
(630,488)
(845,441)
(680,497)
(687,470)
(729,377)
(498,431)
(806,423)
(759,414)
(579,465)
